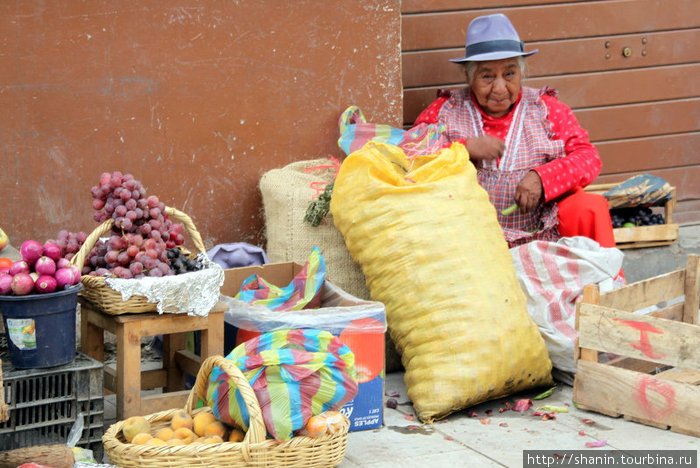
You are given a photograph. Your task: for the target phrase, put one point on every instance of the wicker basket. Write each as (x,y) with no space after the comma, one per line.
(107,299)
(254,451)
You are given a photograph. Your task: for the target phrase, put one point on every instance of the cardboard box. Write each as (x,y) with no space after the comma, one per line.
(360,324)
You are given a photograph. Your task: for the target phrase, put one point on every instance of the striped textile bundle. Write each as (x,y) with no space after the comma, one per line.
(295,374)
(305,286)
(355,131)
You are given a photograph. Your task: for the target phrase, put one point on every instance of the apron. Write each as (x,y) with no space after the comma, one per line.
(529,144)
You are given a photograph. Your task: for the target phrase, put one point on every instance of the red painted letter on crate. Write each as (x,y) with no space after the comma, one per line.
(644,345)
(645,383)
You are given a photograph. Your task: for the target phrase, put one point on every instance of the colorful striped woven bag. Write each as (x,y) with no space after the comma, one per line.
(295,374)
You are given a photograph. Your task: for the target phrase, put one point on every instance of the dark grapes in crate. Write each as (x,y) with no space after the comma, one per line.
(180,263)
(635,216)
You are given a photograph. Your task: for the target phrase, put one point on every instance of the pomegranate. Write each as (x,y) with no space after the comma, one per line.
(22,284)
(52,250)
(76,274)
(31,251)
(20,266)
(64,277)
(45,284)
(45,266)
(5,285)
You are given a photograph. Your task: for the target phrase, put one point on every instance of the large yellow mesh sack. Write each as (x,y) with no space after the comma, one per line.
(431,249)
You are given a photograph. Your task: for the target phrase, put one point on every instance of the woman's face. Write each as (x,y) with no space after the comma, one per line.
(496,85)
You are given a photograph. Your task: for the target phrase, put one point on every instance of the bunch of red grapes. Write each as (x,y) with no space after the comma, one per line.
(141,235)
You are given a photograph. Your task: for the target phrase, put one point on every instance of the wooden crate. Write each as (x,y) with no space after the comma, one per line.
(644,236)
(643,366)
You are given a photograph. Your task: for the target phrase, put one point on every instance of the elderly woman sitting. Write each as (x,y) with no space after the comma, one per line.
(527,146)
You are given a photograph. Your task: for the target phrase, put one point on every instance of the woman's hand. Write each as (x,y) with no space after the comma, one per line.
(485,148)
(529,193)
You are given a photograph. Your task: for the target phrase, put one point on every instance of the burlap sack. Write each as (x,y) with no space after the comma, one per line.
(286,194)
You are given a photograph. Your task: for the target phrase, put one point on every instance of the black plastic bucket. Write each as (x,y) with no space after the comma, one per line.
(40,328)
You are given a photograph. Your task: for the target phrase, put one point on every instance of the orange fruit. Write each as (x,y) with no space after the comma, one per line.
(316,426)
(236,435)
(135,425)
(155,441)
(201,421)
(165,434)
(185,434)
(5,262)
(215,428)
(215,439)
(181,419)
(141,438)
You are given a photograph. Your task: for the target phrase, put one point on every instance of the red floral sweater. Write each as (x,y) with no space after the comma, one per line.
(578,168)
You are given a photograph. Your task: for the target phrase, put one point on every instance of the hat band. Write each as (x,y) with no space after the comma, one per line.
(504,45)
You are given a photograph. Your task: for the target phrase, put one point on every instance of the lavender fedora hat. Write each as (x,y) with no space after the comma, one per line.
(492,37)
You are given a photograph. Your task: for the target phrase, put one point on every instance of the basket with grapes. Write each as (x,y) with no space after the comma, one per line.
(135,260)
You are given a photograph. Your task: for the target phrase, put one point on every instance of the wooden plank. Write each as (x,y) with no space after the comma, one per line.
(680,375)
(612,390)
(638,336)
(150,379)
(649,152)
(551,22)
(162,402)
(638,120)
(623,87)
(637,365)
(692,290)
(672,312)
(433,67)
(591,295)
(128,370)
(419,6)
(645,293)
(188,362)
(654,233)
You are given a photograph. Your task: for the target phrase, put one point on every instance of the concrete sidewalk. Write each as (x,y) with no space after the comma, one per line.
(493,439)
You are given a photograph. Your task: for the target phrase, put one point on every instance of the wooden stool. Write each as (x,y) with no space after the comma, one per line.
(128,380)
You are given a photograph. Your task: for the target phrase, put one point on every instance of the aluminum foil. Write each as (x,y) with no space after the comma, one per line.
(194,293)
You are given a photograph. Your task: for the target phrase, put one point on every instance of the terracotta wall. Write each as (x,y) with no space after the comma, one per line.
(197,99)
(628,68)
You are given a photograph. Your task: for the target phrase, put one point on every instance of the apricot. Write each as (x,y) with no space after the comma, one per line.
(215,439)
(155,441)
(236,435)
(180,420)
(165,434)
(215,428)
(185,434)
(201,421)
(141,438)
(135,425)
(175,442)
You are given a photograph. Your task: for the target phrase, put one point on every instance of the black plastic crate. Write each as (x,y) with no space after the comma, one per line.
(45,403)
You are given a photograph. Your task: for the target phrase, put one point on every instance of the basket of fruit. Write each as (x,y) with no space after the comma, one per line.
(193,437)
(139,238)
